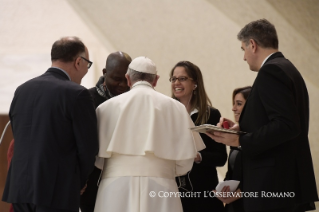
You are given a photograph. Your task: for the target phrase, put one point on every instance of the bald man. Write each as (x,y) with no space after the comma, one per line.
(112,83)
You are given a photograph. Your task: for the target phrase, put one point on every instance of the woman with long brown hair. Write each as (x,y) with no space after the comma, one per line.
(235,203)
(188,87)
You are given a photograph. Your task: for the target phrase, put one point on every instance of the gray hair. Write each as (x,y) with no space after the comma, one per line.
(140,76)
(262,32)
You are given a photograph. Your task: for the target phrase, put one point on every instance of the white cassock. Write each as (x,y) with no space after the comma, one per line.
(146,142)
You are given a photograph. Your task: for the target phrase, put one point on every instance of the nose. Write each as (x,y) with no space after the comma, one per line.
(177,81)
(234,108)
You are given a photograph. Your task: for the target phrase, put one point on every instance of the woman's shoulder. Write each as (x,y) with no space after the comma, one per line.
(214,115)
(213,110)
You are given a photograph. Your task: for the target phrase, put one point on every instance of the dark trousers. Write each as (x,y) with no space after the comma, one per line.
(87,201)
(29,207)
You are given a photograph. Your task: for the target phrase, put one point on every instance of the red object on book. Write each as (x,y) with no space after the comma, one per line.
(225,125)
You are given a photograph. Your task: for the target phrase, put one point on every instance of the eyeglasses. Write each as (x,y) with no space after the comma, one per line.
(89,62)
(180,79)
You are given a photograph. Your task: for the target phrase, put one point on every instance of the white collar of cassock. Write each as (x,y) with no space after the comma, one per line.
(194,111)
(143,83)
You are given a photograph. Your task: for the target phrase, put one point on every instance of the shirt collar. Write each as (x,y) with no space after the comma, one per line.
(194,111)
(63,72)
(266,59)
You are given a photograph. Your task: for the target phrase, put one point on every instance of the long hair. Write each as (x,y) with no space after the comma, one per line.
(199,100)
(245,91)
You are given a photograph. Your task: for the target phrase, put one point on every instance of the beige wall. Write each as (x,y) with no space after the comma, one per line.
(167,31)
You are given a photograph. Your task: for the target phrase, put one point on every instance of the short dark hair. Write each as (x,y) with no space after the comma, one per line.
(67,49)
(245,91)
(262,32)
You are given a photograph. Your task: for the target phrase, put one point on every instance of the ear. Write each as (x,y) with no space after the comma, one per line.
(155,81)
(253,45)
(77,63)
(129,83)
(104,71)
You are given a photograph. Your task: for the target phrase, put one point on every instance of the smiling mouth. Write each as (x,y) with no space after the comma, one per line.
(178,89)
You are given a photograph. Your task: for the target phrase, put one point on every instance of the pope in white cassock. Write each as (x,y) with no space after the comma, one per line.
(146,142)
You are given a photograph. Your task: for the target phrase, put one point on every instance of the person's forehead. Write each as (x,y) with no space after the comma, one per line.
(118,72)
(179,70)
(239,96)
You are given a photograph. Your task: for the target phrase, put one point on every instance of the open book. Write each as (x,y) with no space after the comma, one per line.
(212,128)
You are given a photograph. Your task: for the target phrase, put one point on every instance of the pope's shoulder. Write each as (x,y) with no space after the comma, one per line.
(139,94)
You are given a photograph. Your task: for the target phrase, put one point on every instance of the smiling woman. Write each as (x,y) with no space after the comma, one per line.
(188,87)
(235,203)
(240,96)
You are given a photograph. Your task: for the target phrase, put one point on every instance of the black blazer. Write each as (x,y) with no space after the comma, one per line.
(276,153)
(55,131)
(203,176)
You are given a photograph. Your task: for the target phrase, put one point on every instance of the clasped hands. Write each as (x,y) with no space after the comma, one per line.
(228,199)
(228,139)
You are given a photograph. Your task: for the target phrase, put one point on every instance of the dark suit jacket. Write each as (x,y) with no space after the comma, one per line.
(276,153)
(203,175)
(97,99)
(55,131)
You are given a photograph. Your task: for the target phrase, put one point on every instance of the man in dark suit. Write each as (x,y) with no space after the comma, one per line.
(55,131)
(277,161)
(112,83)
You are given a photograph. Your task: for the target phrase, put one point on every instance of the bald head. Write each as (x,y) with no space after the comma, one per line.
(116,59)
(114,72)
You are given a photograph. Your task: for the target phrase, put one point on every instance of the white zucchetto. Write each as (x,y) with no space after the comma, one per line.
(143,64)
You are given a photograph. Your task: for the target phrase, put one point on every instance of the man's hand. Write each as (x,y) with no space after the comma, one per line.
(226,138)
(232,125)
(198,158)
(231,199)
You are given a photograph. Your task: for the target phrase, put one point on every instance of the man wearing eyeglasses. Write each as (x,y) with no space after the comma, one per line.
(112,83)
(54,126)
